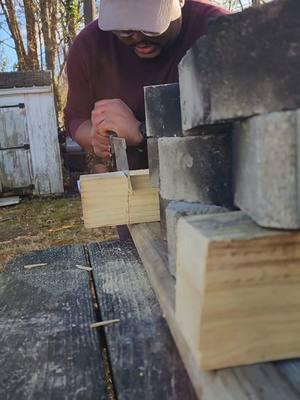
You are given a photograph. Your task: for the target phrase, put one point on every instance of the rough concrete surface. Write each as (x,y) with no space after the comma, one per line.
(162,107)
(153,161)
(266,169)
(196,169)
(176,210)
(248,64)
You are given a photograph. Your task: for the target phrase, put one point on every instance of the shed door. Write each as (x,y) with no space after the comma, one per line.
(15,158)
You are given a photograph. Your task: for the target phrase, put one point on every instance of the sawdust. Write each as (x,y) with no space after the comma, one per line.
(37,224)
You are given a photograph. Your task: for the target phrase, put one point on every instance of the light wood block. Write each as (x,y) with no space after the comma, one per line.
(107,199)
(268,381)
(237,290)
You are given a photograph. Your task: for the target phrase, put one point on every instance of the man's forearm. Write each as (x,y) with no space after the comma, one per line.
(83,136)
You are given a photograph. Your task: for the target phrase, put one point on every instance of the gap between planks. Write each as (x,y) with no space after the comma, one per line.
(103,346)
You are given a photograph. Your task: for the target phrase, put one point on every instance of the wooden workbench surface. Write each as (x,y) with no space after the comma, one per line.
(269,381)
(47,347)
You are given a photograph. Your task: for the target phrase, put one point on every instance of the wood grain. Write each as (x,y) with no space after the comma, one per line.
(145,361)
(104,199)
(107,200)
(47,348)
(238,290)
(268,381)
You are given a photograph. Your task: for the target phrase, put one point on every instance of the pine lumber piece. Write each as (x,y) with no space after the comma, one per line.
(237,290)
(252,382)
(107,200)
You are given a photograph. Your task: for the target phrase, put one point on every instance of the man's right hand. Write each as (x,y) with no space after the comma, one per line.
(113,116)
(100,144)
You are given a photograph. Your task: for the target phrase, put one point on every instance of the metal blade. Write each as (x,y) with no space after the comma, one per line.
(119,149)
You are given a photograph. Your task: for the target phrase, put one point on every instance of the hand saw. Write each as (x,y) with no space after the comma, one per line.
(119,156)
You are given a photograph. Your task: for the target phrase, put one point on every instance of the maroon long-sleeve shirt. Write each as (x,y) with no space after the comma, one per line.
(101,67)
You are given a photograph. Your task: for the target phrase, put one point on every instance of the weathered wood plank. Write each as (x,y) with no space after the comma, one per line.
(13,127)
(145,361)
(44,143)
(269,381)
(47,348)
(15,169)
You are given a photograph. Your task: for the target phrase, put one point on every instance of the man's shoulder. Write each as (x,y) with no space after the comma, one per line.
(203,8)
(89,33)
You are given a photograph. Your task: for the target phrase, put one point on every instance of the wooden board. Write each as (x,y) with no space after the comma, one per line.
(107,199)
(144,358)
(268,381)
(238,290)
(47,348)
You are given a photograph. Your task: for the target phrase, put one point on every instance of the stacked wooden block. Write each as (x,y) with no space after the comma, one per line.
(109,199)
(237,278)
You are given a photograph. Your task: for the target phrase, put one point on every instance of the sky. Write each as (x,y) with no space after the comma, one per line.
(7,52)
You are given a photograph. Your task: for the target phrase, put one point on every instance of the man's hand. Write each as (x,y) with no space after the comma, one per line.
(113,116)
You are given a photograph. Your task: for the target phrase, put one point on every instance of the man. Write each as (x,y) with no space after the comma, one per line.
(135,43)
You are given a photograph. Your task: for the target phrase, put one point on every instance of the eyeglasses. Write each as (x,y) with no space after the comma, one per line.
(127,34)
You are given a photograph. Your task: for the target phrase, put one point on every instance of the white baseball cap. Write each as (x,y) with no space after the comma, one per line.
(138,15)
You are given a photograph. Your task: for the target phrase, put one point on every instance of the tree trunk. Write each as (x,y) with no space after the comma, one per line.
(89,11)
(30,16)
(44,10)
(72,17)
(11,20)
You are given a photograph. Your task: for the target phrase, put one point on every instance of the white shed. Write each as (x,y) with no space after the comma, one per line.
(29,150)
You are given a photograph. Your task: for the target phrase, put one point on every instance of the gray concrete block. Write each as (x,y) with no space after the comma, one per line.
(176,210)
(163,204)
(196,169)
(153,161)
(267,169)
(248,64)
(162,108)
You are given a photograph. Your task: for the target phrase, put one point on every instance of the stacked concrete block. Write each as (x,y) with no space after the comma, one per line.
(267,169)
(153,162)
(196,169)
(163,118)
(248,64)
(176,210)
(162,107)
(163,204)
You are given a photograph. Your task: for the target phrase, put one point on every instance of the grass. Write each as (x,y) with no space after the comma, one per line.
(37,224)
